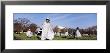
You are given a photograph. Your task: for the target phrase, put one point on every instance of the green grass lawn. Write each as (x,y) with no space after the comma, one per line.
(23,36)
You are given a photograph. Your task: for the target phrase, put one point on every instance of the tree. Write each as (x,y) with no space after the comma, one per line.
(55,29)
(21,24)
(33,27)
(17,27)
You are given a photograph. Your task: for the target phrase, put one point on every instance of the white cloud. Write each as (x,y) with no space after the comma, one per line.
(61,17)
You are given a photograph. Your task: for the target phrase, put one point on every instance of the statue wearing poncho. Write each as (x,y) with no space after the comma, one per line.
(47,31)
(78,34)
(29,33)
